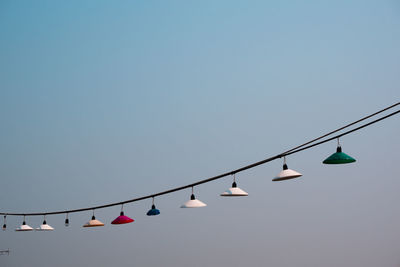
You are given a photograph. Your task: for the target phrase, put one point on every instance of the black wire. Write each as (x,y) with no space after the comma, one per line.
(343,134)
(346,126)
(288,152)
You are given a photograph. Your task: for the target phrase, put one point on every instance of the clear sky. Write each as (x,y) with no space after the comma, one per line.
(103,101)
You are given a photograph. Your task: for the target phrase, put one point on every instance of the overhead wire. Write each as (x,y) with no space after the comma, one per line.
(293,150)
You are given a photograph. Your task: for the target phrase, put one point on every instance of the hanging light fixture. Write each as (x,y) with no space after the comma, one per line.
(286,173)
(339,157)
(93,222)
(24,227)
(153,211)
(234,191)
(122,219)
(44,226)
(66,223)
(193,202)
(5,223)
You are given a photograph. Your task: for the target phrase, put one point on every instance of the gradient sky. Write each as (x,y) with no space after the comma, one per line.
(103,101)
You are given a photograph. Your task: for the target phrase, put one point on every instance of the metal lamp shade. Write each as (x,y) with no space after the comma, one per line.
(234,191)
(44,227)
(286,174)
(122,219)
(339,158)
(24,228)
(153,211)
(93,223)
(193,203)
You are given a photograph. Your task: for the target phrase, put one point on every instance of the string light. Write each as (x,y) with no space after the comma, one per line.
(234,191)
(122,219)
(93,222)
(153,211)
(286,173)
(193,202)
(5,222)
(299,148)
(24,227)
(66,223)
(44,226)
(339,157)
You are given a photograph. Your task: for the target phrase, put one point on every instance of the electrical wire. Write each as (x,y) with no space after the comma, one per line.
(250,166)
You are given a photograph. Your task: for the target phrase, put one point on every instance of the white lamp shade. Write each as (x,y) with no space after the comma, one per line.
(93,223)
(193,203)
(234,192)
(45,227)
(287,174)
(24,228)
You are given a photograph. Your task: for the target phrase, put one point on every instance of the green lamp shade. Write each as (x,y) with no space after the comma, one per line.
(339,158)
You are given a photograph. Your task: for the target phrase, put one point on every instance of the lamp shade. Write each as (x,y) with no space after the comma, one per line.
(93,223)
(24,227)
(122,219)
(234,191)
(44,227)
(286,174)
(339,158)
(193,203)
(153,211)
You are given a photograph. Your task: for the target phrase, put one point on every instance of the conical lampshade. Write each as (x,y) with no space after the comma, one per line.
(45,227)
(24,227)
(122,219)
(339,158)
(234,191)
(153,211)
(193,203)
(286,174)
(93,223)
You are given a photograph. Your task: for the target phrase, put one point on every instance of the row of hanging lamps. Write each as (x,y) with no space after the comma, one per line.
(44,226)
(122,218)
(193,202)
(339,157)
(286,173)
(336,158)
(234,191)
(153,211)
(93,222)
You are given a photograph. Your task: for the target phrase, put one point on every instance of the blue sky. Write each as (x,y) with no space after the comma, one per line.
(105,101)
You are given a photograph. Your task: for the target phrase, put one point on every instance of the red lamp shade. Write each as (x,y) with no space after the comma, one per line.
(122,219)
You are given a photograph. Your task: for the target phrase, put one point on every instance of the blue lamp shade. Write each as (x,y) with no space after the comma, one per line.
(339,158)
(153,211)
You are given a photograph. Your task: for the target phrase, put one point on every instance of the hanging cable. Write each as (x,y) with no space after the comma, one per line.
(288,152)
